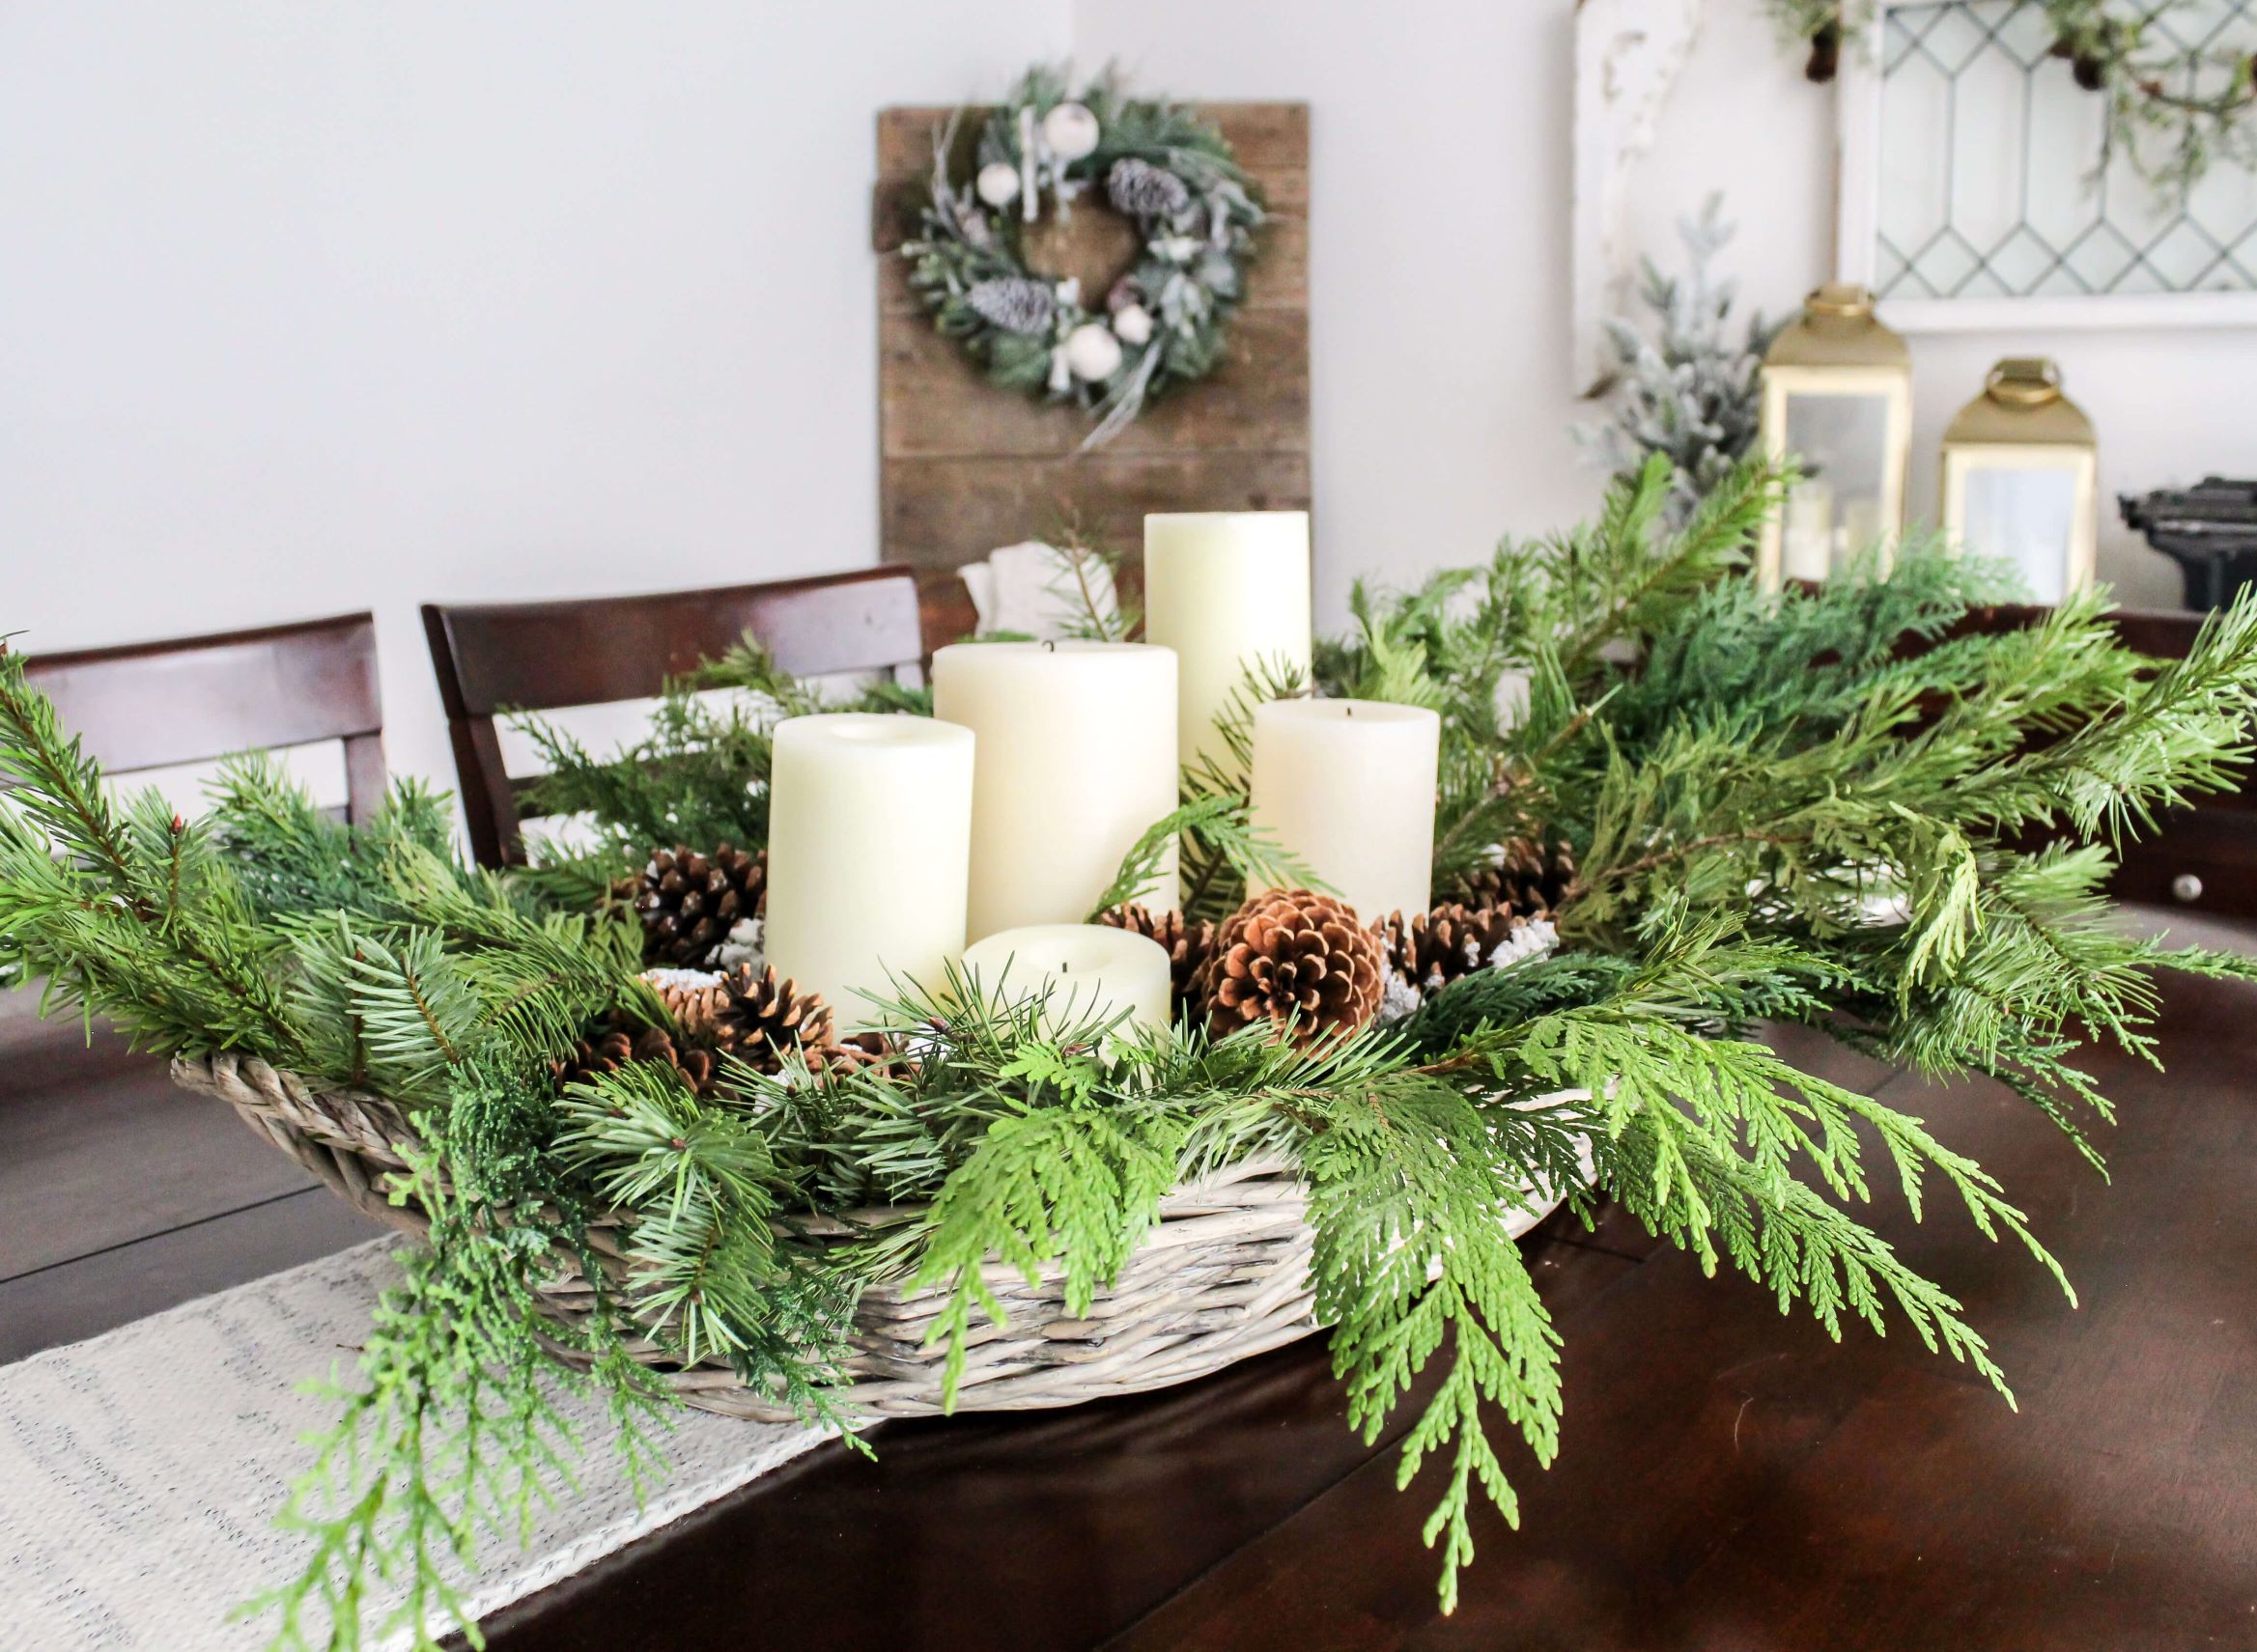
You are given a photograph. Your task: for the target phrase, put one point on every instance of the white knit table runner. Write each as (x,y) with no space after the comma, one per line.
(140,1471)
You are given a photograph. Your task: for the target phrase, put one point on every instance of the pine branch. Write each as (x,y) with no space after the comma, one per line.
(1221,827)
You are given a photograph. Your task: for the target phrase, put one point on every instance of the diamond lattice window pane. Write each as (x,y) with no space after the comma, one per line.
(1990,168)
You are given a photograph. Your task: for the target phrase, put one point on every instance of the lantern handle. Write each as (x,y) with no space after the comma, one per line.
(2023,382)
(1840,301)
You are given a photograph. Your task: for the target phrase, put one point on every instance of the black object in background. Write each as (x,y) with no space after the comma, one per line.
(2209,530)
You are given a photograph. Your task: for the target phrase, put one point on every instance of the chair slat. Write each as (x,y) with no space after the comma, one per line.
(543,657)
(152,705)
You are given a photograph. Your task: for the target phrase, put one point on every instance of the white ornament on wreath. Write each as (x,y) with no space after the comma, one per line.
(997,184)
(1071,131)
(1161,323)
(1092,352)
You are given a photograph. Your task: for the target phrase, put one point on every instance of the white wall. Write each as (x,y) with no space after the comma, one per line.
(307,307)
(310,307)
(1438,276)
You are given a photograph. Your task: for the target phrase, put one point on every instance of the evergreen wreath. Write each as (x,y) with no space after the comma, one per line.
(1828,807)
(1042,150)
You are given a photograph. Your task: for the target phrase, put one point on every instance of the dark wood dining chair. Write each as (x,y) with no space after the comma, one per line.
(152,705)
(542,657)
(121,1194)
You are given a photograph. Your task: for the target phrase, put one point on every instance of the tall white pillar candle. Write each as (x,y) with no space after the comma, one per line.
(1229,591)
(1348,787)
(1086,973)
(869,831)
(1076,758)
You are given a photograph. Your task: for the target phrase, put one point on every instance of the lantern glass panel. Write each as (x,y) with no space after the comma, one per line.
(1842,442)
(2027,516)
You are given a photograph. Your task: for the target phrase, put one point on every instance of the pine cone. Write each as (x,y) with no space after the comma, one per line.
(1015,303)
(846,1054)
(1189,944)
(1291,955)
(620,1042)
(760,1019)
(693,998)
(1432,949)
(1139,189)
(1527,878)
(1825,54)
(690,902)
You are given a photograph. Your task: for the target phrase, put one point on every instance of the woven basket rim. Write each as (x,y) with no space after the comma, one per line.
(1223,1275)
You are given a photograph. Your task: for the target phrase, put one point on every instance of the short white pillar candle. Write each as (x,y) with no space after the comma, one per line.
(1089,972)
(1348,787)
(1076,758)
(869,834)
(1229,591)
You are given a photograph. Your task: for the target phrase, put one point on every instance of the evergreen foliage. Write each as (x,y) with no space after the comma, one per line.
(1839,807)
(698,776)
(1691,393)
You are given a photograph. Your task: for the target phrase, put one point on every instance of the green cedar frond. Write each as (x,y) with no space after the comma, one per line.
(1077,1185)
(453,1433)
(1408,1210)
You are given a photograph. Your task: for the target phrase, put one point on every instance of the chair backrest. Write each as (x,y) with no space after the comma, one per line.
(151,704)
(537,656)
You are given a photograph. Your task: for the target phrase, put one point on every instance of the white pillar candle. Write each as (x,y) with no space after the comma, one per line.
(1076,758)
(869,829)
(1348,787)
(1089,972)
(1229,591)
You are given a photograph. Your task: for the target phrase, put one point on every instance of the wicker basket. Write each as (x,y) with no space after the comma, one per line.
(1224,1276)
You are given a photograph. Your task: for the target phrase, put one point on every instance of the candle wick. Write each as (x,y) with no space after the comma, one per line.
(1048,645)
(1066,968)
(1348,711)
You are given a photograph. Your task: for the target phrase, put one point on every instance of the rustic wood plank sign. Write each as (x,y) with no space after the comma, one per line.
(965,466)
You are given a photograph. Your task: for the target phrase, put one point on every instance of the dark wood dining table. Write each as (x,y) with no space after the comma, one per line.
(1729,1478)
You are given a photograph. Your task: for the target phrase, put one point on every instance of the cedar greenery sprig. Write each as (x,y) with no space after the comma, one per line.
(453,1432)
(1805,807)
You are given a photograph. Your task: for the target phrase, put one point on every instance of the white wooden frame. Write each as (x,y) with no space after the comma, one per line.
(1857,219)
(1627,54)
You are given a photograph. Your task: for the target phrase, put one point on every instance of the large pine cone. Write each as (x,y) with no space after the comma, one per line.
(1432,949)
(1293,956)
(1189,944)
(1527,878)
(690,902)
(620,1042)
(761,1019)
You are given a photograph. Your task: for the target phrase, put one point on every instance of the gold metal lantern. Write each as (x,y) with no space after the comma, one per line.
(1838,400)
(2021,479)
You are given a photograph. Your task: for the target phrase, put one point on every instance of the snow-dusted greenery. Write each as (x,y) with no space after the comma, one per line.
(1691,391)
